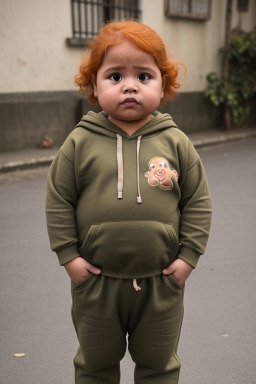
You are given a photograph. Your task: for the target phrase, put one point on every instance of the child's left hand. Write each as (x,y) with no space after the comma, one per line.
(180,271)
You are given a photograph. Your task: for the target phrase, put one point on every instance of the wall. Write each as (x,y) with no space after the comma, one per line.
(33,49)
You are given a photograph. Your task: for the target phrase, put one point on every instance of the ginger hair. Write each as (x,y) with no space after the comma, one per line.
(142,36)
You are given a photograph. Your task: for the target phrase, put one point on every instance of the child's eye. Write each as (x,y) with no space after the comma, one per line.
(143,76)
(115,77)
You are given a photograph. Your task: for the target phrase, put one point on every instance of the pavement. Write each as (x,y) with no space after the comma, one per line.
(37,157)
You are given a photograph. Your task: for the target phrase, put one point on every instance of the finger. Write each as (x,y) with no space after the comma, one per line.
(168,270)
(91,268)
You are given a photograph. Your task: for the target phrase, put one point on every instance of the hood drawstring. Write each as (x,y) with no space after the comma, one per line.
(120,168)
(139,199)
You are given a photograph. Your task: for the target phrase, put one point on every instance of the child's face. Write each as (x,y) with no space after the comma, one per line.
(129,84)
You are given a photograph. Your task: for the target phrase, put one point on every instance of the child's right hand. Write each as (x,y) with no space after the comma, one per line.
(79,269)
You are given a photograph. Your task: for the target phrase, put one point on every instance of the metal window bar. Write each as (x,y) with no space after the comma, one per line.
(89,15)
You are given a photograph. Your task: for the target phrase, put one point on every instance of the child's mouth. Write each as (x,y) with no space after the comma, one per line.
(130,101)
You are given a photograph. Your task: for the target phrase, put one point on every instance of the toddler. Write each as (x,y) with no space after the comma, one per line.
(128,210)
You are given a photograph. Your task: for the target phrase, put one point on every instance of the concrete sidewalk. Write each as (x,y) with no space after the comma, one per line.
(32,158)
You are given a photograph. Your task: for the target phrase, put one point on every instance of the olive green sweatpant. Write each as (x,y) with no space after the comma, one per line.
(105,310)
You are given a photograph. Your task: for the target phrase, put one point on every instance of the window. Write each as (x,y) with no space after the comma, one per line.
(242,5)
(89,15)
(188,9)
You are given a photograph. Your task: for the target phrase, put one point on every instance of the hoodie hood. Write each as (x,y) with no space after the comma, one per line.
(99,123)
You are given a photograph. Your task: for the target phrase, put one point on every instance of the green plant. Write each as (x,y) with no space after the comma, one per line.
(239,89)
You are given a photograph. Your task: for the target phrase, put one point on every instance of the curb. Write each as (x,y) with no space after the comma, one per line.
(223,139)
(46,161)
(26,164)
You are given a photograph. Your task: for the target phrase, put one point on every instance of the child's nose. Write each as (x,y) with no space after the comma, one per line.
(130,86)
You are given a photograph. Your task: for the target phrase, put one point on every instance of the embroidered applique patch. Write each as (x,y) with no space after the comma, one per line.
(160,173)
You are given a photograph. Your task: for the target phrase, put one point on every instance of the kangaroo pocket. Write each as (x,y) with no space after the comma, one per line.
(130,249)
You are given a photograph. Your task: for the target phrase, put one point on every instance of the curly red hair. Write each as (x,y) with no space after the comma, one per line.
(145,38)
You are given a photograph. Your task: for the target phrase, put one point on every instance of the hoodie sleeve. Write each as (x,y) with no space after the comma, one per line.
(195,209)
(61,200)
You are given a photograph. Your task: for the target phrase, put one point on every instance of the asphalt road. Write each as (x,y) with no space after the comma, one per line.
(218,336)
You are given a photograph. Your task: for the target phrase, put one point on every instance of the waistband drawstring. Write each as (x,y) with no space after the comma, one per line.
(135,285)
(120,168)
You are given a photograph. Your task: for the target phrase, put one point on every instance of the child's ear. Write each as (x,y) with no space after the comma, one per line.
(163,85)
(95,93)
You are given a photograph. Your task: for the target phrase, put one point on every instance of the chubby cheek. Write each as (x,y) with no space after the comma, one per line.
(154,98)
(104,92)
(153,103)
(107,100)
(109,107)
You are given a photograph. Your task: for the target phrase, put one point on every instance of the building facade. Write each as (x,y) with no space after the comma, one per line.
(42,44)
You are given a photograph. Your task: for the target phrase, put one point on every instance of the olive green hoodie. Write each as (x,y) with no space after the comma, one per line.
(129,205)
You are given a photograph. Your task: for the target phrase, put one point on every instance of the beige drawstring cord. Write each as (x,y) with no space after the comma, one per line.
(135,285)
(139,199)
(120,167)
